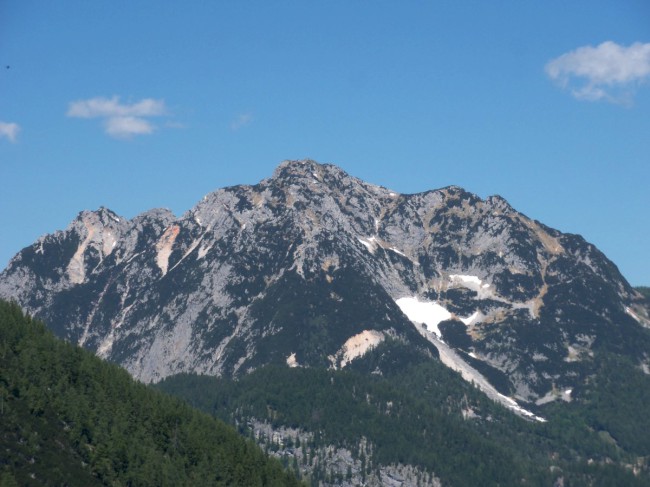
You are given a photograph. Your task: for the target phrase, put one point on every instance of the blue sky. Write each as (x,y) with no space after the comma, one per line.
(136,105)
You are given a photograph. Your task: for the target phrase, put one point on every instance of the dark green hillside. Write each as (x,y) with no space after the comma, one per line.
(68,418)
(415,416)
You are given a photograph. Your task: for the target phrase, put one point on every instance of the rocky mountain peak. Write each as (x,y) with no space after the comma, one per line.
(104,215)
(309,265)
(499,203)
(162,214)
(291,169)
(293,166)
(89,221)
(311,176)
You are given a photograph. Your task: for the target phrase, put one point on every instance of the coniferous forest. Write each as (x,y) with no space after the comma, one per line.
(68,418)
(425,415)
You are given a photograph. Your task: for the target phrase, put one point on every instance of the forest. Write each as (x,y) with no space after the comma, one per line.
(69,418)
(425,415)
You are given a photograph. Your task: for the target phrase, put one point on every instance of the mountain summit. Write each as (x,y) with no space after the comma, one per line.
(313,267)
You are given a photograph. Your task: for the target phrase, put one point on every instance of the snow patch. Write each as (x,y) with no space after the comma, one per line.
(427,313)
(431,314)
(473,283)
(512,404)
(554,395)
(470,282)
(397,251)
(633,314)
(465,279)
(369,243)
(471,319)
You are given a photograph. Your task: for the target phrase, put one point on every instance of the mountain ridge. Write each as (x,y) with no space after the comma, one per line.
(275,272)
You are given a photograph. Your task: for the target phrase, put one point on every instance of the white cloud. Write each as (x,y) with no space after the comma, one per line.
(9,130)
(120,120)
(607,72)
(125,127)
(241,121)
(111,107)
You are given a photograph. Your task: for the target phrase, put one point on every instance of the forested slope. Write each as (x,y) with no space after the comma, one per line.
(68,418)
(424,415)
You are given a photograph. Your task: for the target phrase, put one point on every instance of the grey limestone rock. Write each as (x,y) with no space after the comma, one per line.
(291,269)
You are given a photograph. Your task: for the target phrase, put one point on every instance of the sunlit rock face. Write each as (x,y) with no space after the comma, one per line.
(313,267)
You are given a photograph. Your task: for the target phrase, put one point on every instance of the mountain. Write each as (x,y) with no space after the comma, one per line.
(69,418)
(366,336)
(313,267)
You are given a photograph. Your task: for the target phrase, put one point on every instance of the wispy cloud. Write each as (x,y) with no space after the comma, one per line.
(608,72)
(9,130)
(121,120)
(241,121)
(121,127)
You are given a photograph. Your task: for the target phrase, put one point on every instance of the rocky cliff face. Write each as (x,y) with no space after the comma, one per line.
(313,267)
